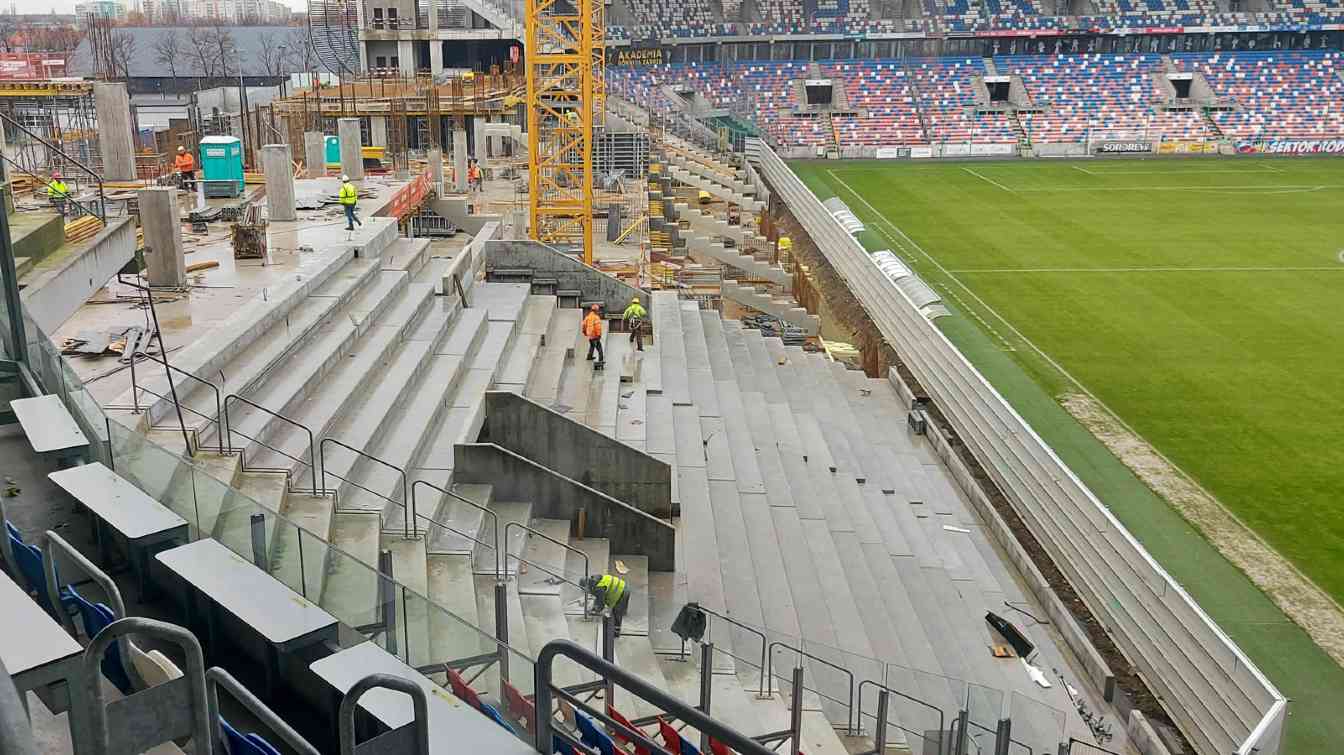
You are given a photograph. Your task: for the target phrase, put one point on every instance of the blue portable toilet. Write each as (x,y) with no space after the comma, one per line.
(222,166)
(333,150)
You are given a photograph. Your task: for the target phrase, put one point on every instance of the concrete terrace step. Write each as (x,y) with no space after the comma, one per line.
(350,579)
(785,309)
(452,585)
(406,254)
(598,551)
(545,560)
(544,382)
(410,569)
(298,551)
(326,403)
(666,314)
(307,366)
(458,516)
(511,539)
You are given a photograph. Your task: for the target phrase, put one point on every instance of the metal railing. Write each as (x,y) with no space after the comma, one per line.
(40,184)
(849,705)
(487,512)
(882,688)
(586,568)
(766,686)
(545,693)
(217,677)
(312,449)
(101,211)
(407,502)
(219,411)
(346,716)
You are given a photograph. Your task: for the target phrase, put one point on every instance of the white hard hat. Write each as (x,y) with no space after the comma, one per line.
(180,148)
(345,177)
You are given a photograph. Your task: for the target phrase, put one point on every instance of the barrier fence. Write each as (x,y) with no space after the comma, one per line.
(1216,696)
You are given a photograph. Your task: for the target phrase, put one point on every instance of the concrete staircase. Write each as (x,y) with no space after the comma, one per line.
(707,236)
(738,193)
(805,509)
(784,309)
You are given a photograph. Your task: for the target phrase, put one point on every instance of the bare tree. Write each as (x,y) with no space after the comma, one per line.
(200,51)
(120,51)
(8,28)
(272,56)
(224,48)
(169,50)
(299,51)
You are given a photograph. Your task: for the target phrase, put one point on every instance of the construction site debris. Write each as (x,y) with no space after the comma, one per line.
(249,236)
(122,341)
(82,228)
(199,266)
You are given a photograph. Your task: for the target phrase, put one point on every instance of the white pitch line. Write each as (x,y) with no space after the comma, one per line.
(1257,171)
(1081,169)
(989,180)
(1249,189)
(972,270)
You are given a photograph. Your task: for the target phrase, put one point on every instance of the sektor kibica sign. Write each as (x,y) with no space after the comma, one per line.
(1291,147)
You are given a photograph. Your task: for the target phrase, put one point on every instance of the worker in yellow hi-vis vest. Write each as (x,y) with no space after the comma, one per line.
(611,594)
(349,197)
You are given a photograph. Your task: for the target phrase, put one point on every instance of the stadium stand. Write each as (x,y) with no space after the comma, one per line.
(1297,93)
(945,87)
(1083,94)
(881,91)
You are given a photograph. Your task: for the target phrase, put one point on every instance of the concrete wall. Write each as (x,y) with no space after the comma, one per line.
(60,284)
(455,209)
(558,442)
(555,496)
(566,270)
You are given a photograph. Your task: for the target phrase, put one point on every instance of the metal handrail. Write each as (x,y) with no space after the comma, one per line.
(346,715)
(217,677)
(587,572)
(1090,746)
(193,676)
(195,434)
(87,211)
(219,428)
(55,543)
(849,708)
(97,178)
(312,456)
(941,716)
(1011,741)
(407,500)
(764,689)
(493,517)
(545,690)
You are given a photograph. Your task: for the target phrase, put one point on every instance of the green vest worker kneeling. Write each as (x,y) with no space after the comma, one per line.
(611,595)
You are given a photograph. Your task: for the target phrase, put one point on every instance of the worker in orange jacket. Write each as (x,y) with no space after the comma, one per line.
(185,165)
(592,329)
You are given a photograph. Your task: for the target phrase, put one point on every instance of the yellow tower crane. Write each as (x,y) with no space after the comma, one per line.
(565,54)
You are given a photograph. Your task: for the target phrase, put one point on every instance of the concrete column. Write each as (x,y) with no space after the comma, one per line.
(352,160)
(378,131)
(435,159)
(315,153)
(165,260)
(115,138)
(279,170)
(406,56)
(435,49)
(460,159)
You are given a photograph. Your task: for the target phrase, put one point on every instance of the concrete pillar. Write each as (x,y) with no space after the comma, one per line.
(315,153)
(278,167)
(406,56)
(116,140)
(435,48)
(160,219)
(352,159)
(460,159)
(378,130)
(435,159)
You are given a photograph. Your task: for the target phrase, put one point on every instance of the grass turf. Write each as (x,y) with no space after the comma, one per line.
(1199,300)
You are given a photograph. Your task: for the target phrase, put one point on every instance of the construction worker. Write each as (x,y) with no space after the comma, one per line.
(57,192)
(634,316)
(349,197)
(592,329)
(185,165)
(474,176)
(611,595)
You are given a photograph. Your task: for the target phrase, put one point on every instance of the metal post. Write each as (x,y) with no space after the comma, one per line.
(387,599)
(1003,736)
(880,734)
(796,711)
(959,743)
(258,523)
(609,654)
(706,687)
(502,627)
(11,293)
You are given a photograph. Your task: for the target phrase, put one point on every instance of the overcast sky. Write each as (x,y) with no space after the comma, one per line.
(68,6)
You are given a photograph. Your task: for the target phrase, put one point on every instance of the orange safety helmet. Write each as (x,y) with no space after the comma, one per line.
(594,308)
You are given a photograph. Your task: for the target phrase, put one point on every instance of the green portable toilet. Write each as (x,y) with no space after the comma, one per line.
(333,150)
(222,166)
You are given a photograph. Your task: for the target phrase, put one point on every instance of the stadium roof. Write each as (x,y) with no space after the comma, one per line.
(145,62)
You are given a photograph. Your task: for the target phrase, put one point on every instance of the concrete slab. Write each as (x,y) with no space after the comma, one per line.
(741,446)
(690,444)
(545,560)
(452,586)
(351,587)
(466,334)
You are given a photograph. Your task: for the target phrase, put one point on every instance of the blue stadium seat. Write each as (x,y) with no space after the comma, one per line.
(96,617)
(30,563)
(237,743)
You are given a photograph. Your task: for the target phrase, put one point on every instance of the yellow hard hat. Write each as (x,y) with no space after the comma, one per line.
(635,300)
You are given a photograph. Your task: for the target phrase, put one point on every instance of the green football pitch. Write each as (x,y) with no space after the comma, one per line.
(1201,301)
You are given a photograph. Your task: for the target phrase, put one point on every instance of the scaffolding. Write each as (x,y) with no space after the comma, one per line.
(62,113)
(560,113)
